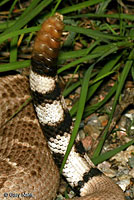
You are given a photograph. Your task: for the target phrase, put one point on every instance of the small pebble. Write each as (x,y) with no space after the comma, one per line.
(92,131)
(87,143)
(105,168)
(124,182)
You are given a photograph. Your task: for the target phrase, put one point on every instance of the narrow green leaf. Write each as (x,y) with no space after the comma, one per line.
(132,72)
(91,109)
(12,7)
(56,6)
(74,54)
(3,2)
(80,111)
(18,32)
(103,6)
(80,60)
(76,62)
(95,15)
(5,25)
(13,49)
(79,6)
(123,77)
(14,65)
(27,15)
(94,33)
(70,89)
(109,154)
(105,69)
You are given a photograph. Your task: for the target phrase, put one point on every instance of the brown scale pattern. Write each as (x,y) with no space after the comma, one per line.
(47,42)
(45,53)
(26,164)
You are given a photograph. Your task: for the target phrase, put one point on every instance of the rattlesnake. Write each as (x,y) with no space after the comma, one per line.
(27,168)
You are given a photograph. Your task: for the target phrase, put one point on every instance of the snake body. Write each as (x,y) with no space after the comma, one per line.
(27,167)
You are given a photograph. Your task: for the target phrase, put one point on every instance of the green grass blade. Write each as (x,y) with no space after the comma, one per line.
(18,32)
(95,34)
(14,65)
(103,7)
(109,154)
(96,52)
(5,25)
(80,111)
(132,72)
(79,6)
(76,54)
(96,15)
(123,77)
(3,2)
(107,68)
(56,6)
(68,83)
(17,24)
(80,60)
(91,109)
(71,88)
(12,7)
(13,49)
(76,62)
(27,16)
(72,54)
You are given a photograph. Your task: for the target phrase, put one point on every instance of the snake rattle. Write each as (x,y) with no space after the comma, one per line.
(27,167)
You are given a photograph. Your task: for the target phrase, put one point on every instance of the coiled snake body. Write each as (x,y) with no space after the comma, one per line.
(27,168)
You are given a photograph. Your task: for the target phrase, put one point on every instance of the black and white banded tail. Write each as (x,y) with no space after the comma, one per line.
(55,119)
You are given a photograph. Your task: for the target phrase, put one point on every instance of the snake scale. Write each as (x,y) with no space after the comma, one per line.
(27,168)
